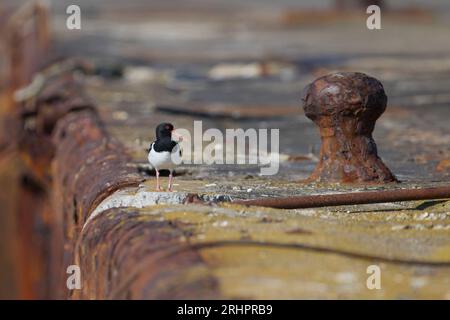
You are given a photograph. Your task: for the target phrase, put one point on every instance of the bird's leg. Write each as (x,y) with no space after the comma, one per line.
(158,186)
(170,180)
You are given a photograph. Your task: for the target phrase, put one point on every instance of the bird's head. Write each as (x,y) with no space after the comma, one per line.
(164,130)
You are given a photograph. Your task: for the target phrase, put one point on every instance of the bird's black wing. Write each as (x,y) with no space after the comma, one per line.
(150,147)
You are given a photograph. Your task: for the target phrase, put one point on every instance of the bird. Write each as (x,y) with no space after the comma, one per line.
(165,153)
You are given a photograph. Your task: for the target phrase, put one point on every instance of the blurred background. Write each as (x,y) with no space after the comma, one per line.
(241,63)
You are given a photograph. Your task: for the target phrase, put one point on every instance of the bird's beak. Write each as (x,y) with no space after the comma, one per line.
(177,136)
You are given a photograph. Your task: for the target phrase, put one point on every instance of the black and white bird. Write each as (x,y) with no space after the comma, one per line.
(165,153)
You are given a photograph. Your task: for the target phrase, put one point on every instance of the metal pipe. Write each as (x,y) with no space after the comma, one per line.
(315,201)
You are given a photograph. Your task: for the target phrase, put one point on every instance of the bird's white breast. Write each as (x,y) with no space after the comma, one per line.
(164,159)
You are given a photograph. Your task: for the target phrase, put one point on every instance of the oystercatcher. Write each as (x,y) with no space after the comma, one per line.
(165,153)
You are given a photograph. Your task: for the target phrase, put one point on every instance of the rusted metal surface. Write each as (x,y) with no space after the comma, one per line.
(87,165)
(72,160)
(64,146)
(26,42)
(125,254)
(33,214)
(352,198)
(9,264)
(38,114)
(345,107)
(74,164)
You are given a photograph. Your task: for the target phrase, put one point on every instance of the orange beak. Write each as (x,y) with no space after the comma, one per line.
(177,136)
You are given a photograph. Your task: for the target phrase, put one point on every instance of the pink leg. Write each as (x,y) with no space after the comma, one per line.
(158,186)
(170,181)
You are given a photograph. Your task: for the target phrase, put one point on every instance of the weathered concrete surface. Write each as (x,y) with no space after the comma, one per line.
(228,251)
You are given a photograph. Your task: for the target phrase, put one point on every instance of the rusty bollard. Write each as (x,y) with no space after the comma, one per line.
(345,107)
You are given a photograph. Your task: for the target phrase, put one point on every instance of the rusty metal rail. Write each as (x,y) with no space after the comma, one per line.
(352,198)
